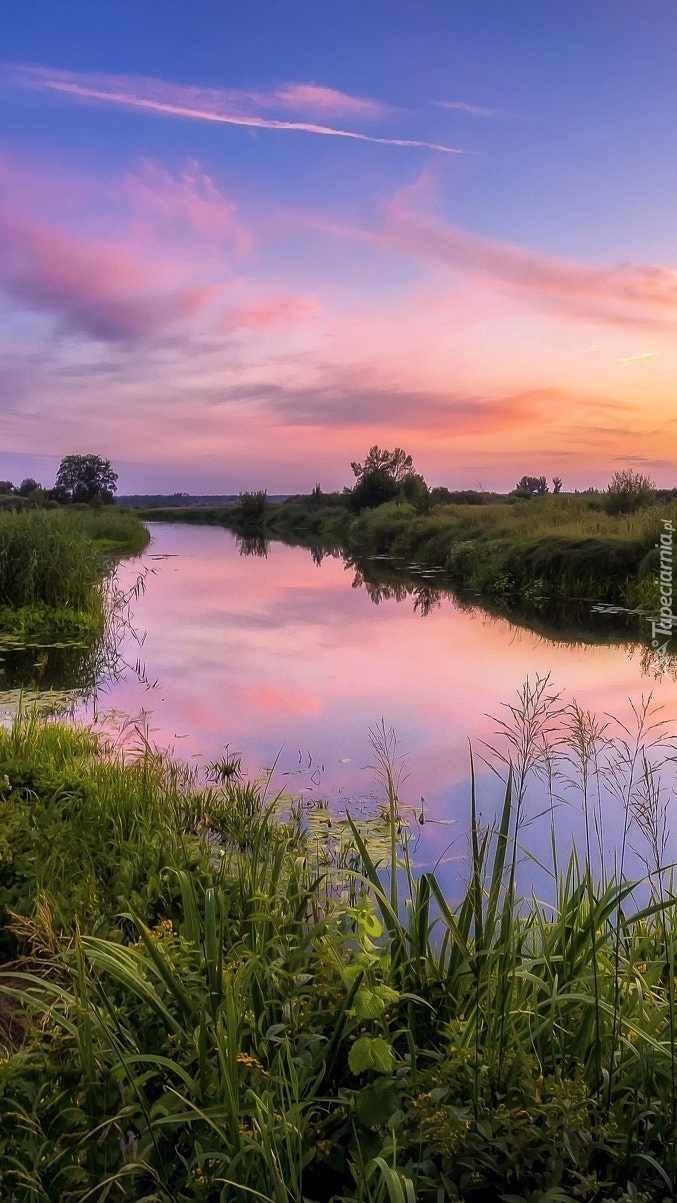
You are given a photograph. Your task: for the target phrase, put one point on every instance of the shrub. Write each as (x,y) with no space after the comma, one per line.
(628,491)
(253,507)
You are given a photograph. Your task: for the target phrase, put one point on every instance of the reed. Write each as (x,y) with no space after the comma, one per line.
(53,564)
(224,999)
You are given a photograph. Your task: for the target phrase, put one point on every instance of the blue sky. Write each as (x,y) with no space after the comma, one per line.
(222,300)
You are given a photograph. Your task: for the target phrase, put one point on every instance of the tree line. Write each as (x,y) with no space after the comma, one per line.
(80,479)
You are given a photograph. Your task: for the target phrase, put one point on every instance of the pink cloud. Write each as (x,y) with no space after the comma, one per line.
(642,295)
(99,289)
(316,98)
(345,399)
(274,312)
(198,104)
(190,199)
(164,269)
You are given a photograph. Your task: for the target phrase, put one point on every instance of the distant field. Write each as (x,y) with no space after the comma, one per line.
(152,501)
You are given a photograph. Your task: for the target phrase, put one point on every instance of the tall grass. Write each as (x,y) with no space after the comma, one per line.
(223,1003)
(52,568)
(45,558)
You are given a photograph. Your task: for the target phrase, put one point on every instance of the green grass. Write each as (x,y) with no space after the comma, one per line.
(223,1003)
(52,565)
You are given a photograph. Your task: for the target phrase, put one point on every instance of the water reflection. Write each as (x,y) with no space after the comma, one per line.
(579,621)
(78,670)
(253,545)
(287,657)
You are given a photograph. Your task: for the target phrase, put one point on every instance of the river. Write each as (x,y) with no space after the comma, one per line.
(284,662)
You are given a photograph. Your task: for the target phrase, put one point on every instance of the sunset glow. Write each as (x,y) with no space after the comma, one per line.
(237,261)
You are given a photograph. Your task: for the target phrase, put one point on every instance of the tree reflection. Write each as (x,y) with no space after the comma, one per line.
(555,619)
(253,545)
(383,581)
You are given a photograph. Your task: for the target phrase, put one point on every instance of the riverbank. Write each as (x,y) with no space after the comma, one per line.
(564,547)
(218,998)
(53,563)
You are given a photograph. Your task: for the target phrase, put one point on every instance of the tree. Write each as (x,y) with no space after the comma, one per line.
(29,487)
(396,464)
(85,478)
(557,484)
(533,484)
(415,490)
(6,488)
(373,488)
(628,491)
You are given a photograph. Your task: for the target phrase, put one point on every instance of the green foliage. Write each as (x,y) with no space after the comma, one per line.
(371,1052)
(374,488)
(533,485)
(253,508)
(85,478)
(628,491)
(385,475)
(52,565)
(228,1005)
(440,495)
(414,490)
(30,488)
(396,464)
(45,558)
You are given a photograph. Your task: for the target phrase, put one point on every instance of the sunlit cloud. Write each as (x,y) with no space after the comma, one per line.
(213,347)
(642,295)
(315,98)
(273,311)
(345,399)
(98,289)
(641,357)
(189,199)
(199,104)
(166,273)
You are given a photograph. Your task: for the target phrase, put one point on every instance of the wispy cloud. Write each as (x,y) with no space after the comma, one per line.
(208,104)
(342,398)
(476,110)
(315,98)
(641,357)
(627,295)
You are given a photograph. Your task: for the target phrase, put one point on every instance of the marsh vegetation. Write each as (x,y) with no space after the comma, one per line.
(53,566)
(227,996)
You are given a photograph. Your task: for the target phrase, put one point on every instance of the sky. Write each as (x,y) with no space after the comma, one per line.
(243,240)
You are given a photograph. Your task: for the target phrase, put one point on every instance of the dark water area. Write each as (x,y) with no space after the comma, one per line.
(288,657)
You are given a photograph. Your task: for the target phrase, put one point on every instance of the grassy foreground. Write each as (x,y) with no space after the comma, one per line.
(52,564)
(206,999)
(562,547)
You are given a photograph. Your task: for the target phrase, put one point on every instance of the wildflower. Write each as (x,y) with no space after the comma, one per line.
(130,1146)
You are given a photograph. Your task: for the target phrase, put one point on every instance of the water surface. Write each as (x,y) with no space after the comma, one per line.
(285,662)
